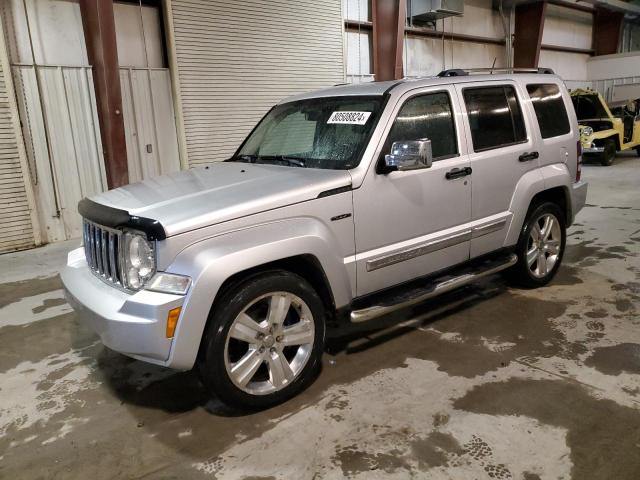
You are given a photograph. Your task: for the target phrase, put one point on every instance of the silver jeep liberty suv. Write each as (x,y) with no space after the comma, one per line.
(345,203)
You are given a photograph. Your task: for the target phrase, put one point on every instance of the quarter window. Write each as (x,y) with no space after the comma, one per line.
(426,116)
(550,110)
(494,116)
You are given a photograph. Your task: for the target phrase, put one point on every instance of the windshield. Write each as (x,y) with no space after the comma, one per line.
(588,107)
(329,133)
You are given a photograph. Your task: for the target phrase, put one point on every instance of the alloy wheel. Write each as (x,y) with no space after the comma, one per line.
(269,343)
(543,247)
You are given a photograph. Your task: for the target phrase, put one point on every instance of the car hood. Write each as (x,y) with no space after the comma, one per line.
(203,196)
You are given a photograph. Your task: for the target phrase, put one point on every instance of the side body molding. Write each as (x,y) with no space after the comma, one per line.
(210,262)
(532,183)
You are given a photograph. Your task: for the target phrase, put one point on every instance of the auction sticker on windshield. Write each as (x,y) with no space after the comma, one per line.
(349,118)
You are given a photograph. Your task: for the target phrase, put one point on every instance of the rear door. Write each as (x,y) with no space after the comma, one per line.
(501,150)
(558,144)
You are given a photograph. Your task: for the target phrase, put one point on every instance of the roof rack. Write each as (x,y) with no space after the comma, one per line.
(460,72)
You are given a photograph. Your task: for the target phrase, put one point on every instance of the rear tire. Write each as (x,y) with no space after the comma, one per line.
(263,342)
(540,247)
(638,151)
(609,153)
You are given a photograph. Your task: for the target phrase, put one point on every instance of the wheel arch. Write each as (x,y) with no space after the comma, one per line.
(550,183)
(615,137)
(301,246)
(304,265)
(557,195)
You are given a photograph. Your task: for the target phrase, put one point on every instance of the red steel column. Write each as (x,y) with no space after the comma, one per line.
(607,26)
(528,34)
(388,17)
(100,37)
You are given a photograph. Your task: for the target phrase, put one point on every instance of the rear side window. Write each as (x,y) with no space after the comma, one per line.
(549,107)
(426,116)
(495,117)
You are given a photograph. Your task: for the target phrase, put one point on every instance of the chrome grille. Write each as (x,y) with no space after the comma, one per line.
(102,248)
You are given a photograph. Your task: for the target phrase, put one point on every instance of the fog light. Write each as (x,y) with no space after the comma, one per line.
(172,321)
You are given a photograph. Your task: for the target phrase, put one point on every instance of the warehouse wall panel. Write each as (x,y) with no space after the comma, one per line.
(16,227)
(235,60)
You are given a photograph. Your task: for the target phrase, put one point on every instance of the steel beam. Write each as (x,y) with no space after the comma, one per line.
(607,26)
(528,34)
(389,18)
(100,37)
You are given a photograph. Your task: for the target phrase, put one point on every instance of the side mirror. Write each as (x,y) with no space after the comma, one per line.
(409,155)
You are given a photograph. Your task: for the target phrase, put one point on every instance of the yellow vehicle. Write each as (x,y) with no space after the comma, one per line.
(604,130)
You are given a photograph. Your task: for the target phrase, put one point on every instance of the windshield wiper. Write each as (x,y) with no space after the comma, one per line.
(243,158)
(293,161)
(298,161)
(289,160)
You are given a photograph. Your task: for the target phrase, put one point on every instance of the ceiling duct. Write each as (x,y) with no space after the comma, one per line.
(430,10)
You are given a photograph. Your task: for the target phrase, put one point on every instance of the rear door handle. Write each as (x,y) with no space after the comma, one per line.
(458,172)
(527,156)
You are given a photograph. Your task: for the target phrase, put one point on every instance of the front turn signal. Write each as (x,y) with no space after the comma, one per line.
(172,321)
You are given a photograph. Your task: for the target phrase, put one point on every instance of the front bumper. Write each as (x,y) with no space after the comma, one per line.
(132,324)
(578,197)
(592,150)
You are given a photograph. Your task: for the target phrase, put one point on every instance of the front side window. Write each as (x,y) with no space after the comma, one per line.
(329,133)
(550,111)
(494,116)
(426,116)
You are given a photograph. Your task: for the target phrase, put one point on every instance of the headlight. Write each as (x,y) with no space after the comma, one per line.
(139,260)
(587,131)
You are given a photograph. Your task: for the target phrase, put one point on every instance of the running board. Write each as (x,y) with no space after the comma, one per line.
(419,295)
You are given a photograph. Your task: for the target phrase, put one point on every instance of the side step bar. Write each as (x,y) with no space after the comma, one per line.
(433,290)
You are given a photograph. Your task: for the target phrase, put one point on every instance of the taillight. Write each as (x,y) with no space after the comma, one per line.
(579,161)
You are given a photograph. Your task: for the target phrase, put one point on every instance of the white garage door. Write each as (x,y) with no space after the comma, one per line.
(236,59)
(16,231)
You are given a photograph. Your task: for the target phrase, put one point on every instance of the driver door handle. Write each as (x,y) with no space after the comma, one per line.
(458,172)
(527,156)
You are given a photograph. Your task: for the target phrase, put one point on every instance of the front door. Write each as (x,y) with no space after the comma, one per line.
(412,223)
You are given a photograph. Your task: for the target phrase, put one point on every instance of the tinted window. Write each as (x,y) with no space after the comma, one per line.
(494,116)
(426,116)
(549,107)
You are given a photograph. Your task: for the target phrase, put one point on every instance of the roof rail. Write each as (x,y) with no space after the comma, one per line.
(460,72)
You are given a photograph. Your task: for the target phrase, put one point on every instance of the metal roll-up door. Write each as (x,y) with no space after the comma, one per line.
(236,59)
(16,229)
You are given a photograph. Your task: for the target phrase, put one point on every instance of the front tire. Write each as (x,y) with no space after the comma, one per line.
(609,153)
(540,247)
(264,341)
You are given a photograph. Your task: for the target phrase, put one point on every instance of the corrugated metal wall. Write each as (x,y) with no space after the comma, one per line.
(236,59)
(16,229)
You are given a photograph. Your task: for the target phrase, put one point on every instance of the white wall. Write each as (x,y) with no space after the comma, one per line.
(138,36)
(478,19)
(425,56)
(567,28)
(619,65)
(56,31)
(356,10)
(570,66)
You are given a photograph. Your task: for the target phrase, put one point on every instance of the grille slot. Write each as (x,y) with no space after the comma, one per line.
(102,249)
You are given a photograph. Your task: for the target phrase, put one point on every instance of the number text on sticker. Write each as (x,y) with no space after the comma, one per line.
(350,118)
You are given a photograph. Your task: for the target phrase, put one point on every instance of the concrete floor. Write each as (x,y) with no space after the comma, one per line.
(489,382)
